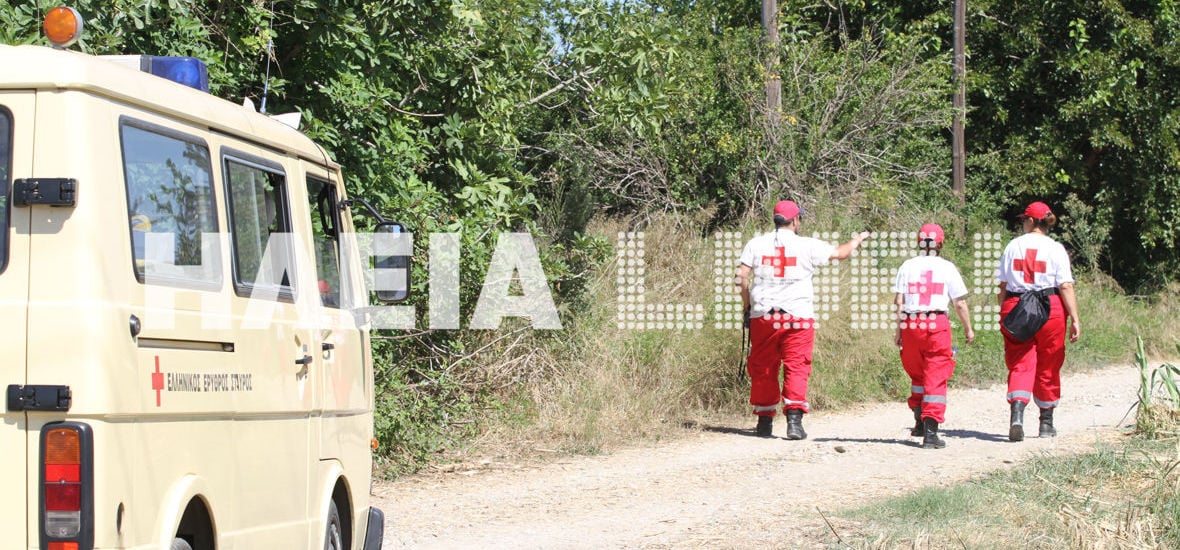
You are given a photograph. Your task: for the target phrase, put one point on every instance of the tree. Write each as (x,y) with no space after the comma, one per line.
(1076,98)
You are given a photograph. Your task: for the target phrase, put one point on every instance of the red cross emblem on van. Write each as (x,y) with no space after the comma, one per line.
(158,381)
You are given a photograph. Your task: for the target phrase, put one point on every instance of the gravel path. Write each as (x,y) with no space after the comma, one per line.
(724,488)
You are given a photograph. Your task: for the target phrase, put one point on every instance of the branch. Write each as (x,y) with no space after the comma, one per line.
(405,112)
(559,87)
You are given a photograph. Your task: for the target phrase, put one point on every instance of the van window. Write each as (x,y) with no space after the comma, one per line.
(325,223)
(170,192)
(258,210)
(5,172)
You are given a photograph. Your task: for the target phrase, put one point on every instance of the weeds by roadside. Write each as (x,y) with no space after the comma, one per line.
(593,386)
(1159,397)
(614,385)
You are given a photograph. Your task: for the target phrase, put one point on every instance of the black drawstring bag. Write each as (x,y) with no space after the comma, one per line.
(1029,315)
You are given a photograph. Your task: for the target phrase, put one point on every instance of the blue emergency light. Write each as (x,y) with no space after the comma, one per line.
(189,71)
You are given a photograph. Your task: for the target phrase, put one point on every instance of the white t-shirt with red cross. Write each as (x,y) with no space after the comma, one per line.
(782,264)
(1034,262)
(928,283)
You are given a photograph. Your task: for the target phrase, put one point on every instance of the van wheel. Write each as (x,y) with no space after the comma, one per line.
(180,544)
(333,539)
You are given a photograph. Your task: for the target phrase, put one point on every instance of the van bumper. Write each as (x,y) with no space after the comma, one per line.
(376,530)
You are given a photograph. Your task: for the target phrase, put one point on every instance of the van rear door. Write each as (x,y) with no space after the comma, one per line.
(16,146)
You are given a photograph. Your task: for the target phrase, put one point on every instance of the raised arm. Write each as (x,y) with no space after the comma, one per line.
(845,250)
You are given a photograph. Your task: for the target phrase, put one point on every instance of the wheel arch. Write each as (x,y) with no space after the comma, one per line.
(335,487)
(188,505)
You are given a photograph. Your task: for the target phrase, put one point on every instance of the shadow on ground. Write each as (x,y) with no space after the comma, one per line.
(747,432)
(972,434)
(879,440)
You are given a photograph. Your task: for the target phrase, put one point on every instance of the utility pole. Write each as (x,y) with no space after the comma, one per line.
(774,83)
(958,151)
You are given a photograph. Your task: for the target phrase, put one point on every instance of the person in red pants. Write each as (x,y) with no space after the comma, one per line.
(1034,262)
(774,275)
(925,287)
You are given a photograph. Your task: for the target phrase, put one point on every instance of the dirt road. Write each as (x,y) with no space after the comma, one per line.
(725,488)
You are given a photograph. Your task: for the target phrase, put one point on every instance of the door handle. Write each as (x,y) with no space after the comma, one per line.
(307,359)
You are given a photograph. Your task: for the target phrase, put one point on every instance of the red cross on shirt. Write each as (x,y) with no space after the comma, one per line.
(1029,265)
(925,287)
(780,262)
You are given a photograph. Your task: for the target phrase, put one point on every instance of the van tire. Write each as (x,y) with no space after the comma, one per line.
(334,533)
(180,544)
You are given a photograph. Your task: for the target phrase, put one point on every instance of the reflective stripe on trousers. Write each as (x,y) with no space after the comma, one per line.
(775,346)
(1034,367)
(788,404)
(928,358)
(1025,396)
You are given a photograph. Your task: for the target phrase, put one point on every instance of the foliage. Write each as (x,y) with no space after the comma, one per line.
(1068,94)
(1064,99)
(477,118)
(1087,231)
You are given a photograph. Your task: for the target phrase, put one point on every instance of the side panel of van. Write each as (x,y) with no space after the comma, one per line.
(344,426)
(80,311)
(171,238)
(16,142)
(263,199)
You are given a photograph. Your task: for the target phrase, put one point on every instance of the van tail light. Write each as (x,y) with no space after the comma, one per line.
(67,486)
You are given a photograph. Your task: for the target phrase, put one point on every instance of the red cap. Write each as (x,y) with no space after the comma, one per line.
(787,209)
(1037,211)
(931,231)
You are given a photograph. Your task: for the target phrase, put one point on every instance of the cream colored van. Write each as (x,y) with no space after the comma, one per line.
(161,390)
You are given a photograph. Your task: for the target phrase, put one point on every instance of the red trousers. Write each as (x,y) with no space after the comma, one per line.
(929,359)
(1034,367)
(780,340)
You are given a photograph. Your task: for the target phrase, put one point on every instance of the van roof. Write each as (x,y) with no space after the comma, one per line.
(39,67)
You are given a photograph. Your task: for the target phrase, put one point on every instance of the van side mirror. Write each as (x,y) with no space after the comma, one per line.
(392,278)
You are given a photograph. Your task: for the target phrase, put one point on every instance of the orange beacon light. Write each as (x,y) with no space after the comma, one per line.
(63,26)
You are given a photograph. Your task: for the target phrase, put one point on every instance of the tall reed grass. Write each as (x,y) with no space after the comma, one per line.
(594,385)
(1159,397)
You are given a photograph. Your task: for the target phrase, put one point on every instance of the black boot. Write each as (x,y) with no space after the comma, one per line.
(930,439)
(765,426)
(795,424)
(919,429)
(1047,429)
(1016,429)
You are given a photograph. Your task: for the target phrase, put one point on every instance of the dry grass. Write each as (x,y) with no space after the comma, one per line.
(594,386)
(606,386)
(619,385)
(1121,498)
(1162,335)
(1140,519)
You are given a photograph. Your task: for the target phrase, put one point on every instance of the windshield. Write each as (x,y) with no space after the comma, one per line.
(5,173)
